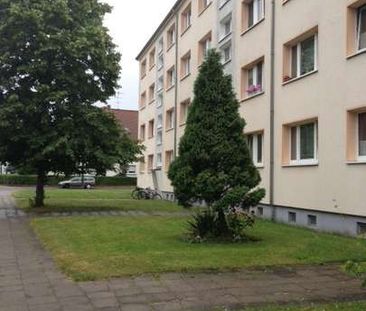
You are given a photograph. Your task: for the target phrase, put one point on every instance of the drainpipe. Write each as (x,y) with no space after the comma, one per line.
(176,87)
(272,112)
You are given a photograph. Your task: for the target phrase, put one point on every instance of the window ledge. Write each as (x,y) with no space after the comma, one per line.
(182,124)
(204,9)
(223,4)
(151,67)
(225,37)
(151,101)
(226,62)
(356,162)
(169,130)
(143,76)
(185,30)
(285,1)
(259,166)
(252,96)
(359,52)
(253,26)
(300,77)
(300,164)
(169,88)
(185,76)
(160,67)
(169,47)
(142,108)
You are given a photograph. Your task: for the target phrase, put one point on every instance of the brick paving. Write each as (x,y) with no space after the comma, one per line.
(30,281)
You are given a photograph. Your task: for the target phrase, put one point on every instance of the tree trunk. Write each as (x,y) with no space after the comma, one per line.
(39,200)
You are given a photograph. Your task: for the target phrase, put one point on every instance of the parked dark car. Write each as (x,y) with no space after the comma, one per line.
(77,182)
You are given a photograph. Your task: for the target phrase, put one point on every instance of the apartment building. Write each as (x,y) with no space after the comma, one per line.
(299,71)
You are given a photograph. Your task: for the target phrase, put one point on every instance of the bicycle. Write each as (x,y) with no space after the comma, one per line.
(146,194)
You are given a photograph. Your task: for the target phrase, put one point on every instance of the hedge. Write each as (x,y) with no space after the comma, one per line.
(30,180)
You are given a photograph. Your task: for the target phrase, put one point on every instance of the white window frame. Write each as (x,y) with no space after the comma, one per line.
(159,138)
(160,46)
(160,61)
(160,100)
(171,77)
(187,19)
(359,13)
(159,160)
(256,16)
(255,79)
(160,84)
(186,65)
(298,52)
(299,161)
(360,158)
(223,24)
(223,49)
(159,122)
(255,149)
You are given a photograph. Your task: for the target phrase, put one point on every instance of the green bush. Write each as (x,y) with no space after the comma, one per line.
(31,180)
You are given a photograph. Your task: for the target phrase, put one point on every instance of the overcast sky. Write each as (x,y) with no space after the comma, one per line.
(131,24)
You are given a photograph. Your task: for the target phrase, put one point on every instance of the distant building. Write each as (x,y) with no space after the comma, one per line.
(129,121)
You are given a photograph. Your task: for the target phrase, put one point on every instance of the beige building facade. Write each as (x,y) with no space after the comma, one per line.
(299,71)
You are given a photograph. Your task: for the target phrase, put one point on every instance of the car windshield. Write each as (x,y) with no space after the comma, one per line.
(76,179)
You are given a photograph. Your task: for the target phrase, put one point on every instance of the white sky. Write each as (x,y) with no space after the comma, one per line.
(131,24)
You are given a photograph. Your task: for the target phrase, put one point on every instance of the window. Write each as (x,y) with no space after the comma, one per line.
(361,28)
(142,165)
(142,132)
(225,27)
(160,61)
(204,47)
(252,76)
(150,163)
(303,144)
(255,145)
(292,217)
(159,160)
(143,69)
(160,100)
(160,83)
(184,106)
(151,129)
(252,13)
(312,220)
(185,65)
(169,119)
(361,131)
(143,100)
(159,122)
(131,169)
(159,138)
(203,4)
(171,36)
(152,58)
(152,93)
(168,159)
(260,211)
(186,18)
(160,46)
(170,78)
(303,57)
(226,53)
(361,228)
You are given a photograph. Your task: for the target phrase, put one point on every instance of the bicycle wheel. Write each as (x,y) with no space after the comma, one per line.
(157,196)
(141,195)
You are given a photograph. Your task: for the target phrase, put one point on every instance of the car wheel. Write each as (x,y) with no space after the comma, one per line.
(87,186)
(67,186)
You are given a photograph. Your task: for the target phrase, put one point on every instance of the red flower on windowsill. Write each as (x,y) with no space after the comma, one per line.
(254,89)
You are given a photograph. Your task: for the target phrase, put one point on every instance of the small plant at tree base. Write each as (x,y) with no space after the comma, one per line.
(214,163)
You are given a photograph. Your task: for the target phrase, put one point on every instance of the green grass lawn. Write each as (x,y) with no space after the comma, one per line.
(63,200)
(97,248)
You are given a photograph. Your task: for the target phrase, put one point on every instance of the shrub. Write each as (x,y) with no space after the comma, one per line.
(208,225)
(30,180)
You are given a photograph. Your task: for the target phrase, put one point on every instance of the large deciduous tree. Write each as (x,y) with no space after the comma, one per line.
(214,162)
(56,61)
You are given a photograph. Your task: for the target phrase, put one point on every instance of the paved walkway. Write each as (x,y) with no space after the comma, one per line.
(29,281)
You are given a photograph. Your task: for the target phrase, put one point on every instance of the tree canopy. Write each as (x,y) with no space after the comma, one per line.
(56,61)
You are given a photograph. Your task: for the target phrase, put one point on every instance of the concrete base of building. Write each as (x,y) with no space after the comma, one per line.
(315,220)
